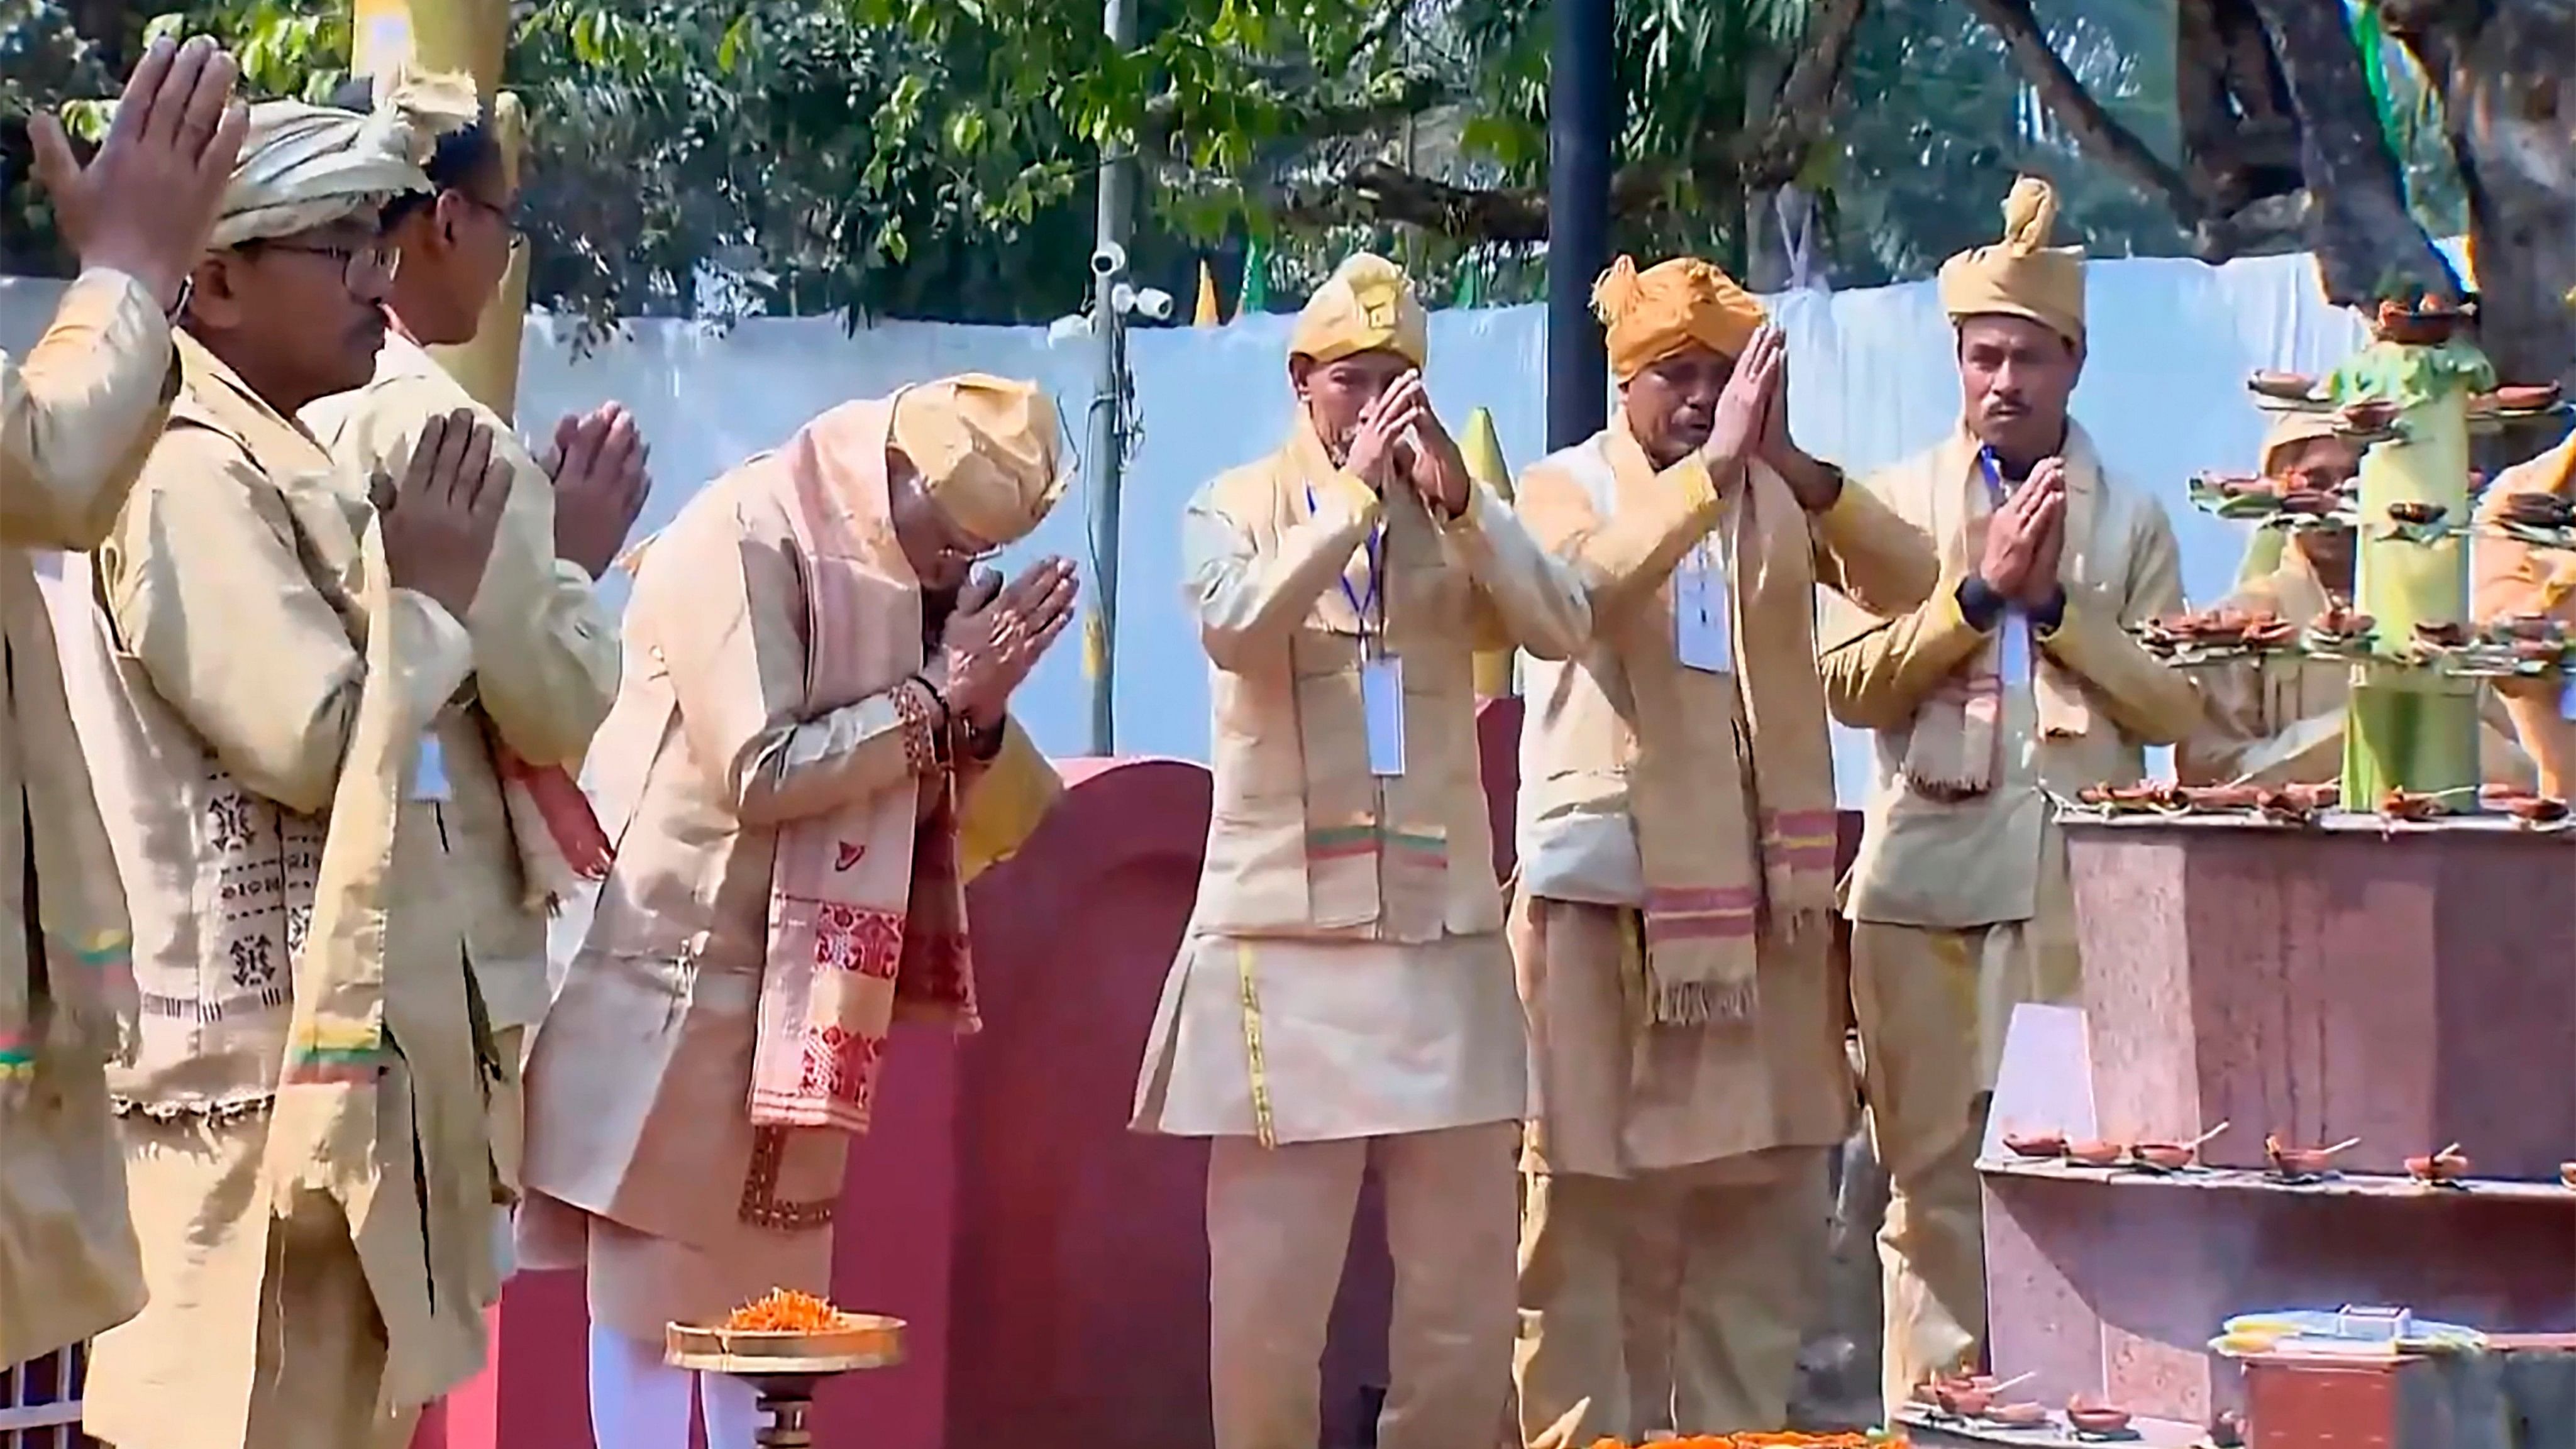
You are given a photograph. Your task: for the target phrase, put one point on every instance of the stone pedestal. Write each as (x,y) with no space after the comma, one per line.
(2412,988)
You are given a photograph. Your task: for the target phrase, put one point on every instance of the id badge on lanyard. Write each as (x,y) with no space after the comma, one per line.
(2013,649)
(429,770)
(1381,673)
(1703,630)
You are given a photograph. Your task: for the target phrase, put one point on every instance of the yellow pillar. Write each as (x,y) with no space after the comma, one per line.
(468,37)
(1484,455)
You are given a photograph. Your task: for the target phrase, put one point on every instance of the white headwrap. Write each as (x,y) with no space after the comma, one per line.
(305,166)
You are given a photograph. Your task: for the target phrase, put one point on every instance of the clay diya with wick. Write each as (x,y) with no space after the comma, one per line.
(2096,1154)
(2443,1169)
(2173,1156)
(2097,1420)
(2409,805)
(2304,1163)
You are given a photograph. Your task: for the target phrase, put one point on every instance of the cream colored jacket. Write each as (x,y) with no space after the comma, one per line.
(1960,864)
(545,667)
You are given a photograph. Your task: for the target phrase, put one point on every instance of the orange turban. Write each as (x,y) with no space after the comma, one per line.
(1685,302)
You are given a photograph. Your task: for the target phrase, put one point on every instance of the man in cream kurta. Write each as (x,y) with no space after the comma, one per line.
(1344,995)
(303,1121)
(74,425)
(2015,679)
(2279,719)
(515,830)
(2509,578)
(1677,871)
(814,700)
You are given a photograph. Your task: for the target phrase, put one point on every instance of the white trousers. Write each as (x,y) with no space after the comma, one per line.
(639,1402)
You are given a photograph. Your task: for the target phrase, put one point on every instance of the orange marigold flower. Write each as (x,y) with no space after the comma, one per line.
(784,1311)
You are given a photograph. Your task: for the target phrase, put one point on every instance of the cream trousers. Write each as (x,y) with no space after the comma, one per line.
(1279,1226)
(1672,1301)
(1932,1007)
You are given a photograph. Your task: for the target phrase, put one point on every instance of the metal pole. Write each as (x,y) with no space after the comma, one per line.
(1582,119)
(1108,414)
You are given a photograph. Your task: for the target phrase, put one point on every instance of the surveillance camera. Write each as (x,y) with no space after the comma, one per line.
(1108,260)
(1154,305)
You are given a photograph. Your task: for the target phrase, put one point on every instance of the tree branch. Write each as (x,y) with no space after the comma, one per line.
(1378,191)
(2096,130)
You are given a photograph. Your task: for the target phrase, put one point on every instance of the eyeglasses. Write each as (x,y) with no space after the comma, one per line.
(359,265)
(508,216)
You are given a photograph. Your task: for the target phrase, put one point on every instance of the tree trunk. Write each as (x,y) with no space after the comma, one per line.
(2509,106)
(2366,241)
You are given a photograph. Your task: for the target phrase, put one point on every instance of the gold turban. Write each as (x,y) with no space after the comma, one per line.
(2287,432)
(2020,276)
(1685,302)
(987,448)
(307,166)
(1366,306)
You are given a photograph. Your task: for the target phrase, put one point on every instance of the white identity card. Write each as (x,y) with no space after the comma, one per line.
(1382,705)
(429,770)
(1703,635)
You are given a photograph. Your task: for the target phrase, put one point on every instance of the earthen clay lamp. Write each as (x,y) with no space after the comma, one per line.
(2170,1156)
(2093,1418)
(2096,1154)
(2035,1144)
(2447,1166)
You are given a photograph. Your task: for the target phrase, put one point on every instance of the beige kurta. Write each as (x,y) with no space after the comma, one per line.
(1703,1139)
(2511,577)
(74,426)
(1960,908)
(1363,1032)
(642,1161)
(1343,998)
(2258,708)
(545,672)
(216,750)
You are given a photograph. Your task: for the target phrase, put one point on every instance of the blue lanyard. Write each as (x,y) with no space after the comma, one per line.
(1994,473)
(1362,605)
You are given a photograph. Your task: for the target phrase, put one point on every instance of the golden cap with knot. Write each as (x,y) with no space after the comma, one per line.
(1669,307)
(1367,305)
(988,449)
(2022,275)
(304,166)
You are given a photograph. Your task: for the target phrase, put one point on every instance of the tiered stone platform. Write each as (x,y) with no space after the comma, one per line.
(2412,987)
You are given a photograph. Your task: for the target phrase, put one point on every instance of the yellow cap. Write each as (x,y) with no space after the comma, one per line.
(1366,306)
(988,451)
